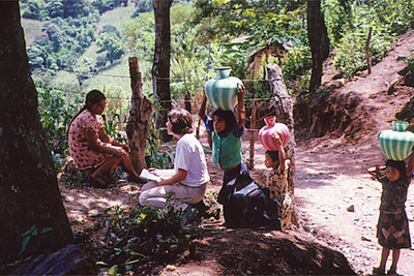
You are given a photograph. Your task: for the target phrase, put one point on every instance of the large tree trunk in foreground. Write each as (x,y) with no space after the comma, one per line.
(318,41)
(29,194)
(161,65)
(284,113)
(138,125)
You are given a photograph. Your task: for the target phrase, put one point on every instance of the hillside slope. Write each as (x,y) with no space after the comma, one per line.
(361,107)
(337,200)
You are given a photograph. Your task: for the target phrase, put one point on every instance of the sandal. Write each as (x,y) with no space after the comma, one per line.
(378,271)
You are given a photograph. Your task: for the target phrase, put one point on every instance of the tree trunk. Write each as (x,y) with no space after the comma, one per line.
(139,120)
(161,65)
(187,101)
(283,108)
(318,41)
(29,193)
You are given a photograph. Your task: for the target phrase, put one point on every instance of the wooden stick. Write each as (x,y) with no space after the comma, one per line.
(367,54)
(253,133)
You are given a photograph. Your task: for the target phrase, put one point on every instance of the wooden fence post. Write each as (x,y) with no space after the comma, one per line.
(367,54)
(139,120)
(253,132)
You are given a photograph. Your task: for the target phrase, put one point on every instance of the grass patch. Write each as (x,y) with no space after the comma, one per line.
(32,30)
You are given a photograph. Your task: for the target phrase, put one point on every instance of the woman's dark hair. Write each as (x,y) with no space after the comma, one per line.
(399,166)
(181,120)
(274,155)
(228,117)
(93,96)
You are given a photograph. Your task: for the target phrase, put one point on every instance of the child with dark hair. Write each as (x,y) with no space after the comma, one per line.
(188,183)
(225,131)
(277,182)
(392,228)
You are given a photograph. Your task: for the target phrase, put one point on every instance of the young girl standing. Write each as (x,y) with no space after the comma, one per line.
(277,182)
(226,131)
(392,229)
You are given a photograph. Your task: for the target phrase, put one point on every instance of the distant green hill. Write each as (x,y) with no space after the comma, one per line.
(32,30)
(116,76)
(112,77)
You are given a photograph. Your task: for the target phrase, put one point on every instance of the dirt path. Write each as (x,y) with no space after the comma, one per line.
(331,179)
(337,200)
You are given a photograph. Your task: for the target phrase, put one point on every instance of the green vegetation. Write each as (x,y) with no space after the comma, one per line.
(144,235)
(56,110)
(84,44)
(348,34)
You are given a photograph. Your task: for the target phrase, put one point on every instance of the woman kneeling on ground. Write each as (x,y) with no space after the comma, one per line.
(188,183)
(90,146)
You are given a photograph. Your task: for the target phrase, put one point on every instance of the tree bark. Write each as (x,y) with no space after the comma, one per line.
(318,41)
(161,65)
(283,108)
(139,120)
(29,193)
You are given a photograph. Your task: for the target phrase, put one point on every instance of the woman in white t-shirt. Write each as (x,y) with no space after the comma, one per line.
(188,184)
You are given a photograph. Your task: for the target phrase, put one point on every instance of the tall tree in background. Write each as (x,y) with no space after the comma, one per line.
(161,65)
(318,41)
(29,194)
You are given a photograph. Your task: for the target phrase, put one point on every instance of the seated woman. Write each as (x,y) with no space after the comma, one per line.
(91,148)
(189,182)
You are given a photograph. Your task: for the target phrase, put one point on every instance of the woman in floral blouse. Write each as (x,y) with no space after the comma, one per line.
(91,148)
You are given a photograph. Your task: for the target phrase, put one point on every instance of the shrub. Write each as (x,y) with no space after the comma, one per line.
(56,111)
(350,54)
(143,235)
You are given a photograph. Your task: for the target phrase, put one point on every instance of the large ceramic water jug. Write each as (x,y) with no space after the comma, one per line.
(397,144)
(221,92)
(271,128)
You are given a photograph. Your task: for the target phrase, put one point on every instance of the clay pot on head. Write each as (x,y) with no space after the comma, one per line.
(271,128)
(221,92)
(398,143)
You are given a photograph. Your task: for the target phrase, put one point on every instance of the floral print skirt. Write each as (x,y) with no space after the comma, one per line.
(393,230)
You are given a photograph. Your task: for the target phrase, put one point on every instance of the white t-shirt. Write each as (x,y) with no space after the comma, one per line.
(189,156)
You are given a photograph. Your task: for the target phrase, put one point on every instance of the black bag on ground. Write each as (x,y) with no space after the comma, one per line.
(246,204)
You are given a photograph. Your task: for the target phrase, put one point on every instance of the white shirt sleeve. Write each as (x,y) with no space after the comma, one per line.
(182,156)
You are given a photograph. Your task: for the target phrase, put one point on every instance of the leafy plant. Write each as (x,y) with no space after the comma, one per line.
(112,126)
(350,53)
(156,158)
(142,235)
(56,111)
(295,65)
(31,239)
